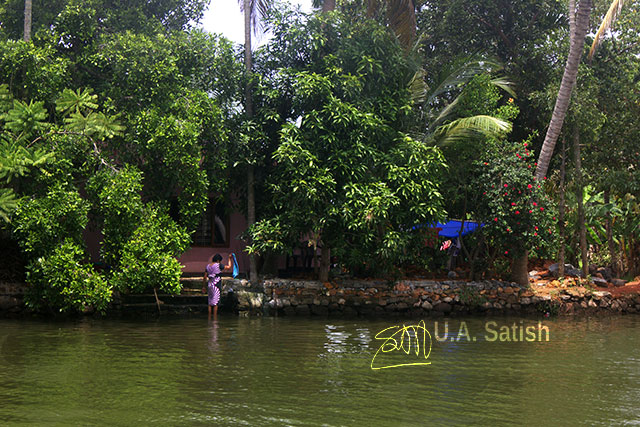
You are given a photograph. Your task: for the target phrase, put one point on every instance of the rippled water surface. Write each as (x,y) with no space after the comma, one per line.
(310,371)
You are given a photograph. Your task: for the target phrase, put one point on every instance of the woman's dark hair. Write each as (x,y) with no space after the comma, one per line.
(217,258)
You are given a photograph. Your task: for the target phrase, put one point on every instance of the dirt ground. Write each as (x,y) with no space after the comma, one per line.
(547,283)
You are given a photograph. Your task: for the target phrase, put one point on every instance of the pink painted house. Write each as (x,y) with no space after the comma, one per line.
(217,233)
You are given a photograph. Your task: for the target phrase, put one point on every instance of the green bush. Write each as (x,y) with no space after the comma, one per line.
(41,223)
(147,259)
(116,196)
(140,241)
(60,281)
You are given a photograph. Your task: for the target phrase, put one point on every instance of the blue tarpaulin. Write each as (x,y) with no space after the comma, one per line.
(451,228)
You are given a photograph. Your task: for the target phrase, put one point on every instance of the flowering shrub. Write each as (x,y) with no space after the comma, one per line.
(517,213)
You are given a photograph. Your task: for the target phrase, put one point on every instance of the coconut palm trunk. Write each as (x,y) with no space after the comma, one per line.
(328,5)
(561,210)
(27,19)
(251,200)
(569,77)
(579,195)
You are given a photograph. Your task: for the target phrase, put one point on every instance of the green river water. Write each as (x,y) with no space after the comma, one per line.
(313,371)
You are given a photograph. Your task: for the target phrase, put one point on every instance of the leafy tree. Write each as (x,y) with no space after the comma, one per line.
(140,241)
(63,282)
(49,229)
(32,73)
(510,34)
(400,15)
(148,258)
(17,159)
(110,16)
(479,97)
(579,26)
(346,176)
(12,16)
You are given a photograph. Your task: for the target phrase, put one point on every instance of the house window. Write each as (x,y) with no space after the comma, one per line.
(213,229)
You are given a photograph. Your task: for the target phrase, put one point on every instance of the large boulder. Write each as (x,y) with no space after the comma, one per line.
(618,282)
(605,272)
(569,270)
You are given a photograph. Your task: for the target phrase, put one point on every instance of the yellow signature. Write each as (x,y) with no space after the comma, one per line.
(404,338)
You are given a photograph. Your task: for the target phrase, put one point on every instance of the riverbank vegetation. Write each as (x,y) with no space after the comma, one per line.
(347,128)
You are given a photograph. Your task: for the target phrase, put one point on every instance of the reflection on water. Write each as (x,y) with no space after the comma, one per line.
(306,371)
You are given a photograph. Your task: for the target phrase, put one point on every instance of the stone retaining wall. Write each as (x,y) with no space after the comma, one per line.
(11,298)
(434,298)
(376,298)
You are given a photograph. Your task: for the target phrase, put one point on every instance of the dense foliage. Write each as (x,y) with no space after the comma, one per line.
(121,119)
(345,175)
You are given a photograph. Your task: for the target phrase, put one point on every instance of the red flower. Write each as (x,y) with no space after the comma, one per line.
(535,234)
(529,186)
(506,185)
(535,204)
(506,252)
(495,219)
(513,203)
(541,209)
(536,227)
(485,163)
(530,211)
(517,212)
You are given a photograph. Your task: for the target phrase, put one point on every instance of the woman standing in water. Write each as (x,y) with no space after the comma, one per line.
(212,279)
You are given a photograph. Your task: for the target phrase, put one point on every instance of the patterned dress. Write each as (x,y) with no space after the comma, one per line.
(213,273)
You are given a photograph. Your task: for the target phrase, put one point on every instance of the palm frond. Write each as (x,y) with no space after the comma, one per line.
(445,114)
(259,10)
(504,84)
(468,127)
(460,73)
(418,88)
(8,202)
(82,99)
(607,22)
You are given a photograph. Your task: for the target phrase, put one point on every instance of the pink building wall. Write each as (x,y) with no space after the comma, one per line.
(196,258)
